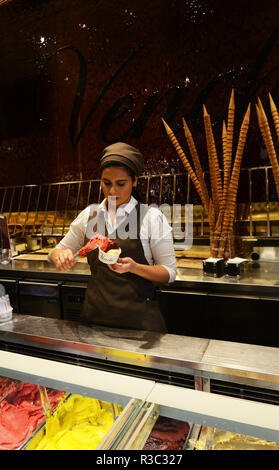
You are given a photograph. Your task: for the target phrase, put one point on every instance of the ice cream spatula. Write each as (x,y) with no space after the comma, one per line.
(45,401)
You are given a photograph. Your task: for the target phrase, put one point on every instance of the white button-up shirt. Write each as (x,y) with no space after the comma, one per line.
(155,233)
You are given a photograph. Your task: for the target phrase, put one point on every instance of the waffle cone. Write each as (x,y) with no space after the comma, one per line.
(196,160)
(185,161)
(214,171)
(275,115)
(267,138)
(213,240)
(227,156)
(233,187)
(225,168)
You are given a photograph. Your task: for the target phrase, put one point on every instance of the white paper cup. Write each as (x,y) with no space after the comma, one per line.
(7,316)
(108,258)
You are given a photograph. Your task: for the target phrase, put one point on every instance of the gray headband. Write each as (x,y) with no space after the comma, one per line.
(124,154)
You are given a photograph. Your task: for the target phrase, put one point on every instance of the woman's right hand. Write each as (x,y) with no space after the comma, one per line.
(63,259)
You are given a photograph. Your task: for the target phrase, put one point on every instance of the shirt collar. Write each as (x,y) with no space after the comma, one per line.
(123,209)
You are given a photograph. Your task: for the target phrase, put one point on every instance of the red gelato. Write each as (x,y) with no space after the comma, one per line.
(6,386)
(21,412)
(167,434)
(104,243)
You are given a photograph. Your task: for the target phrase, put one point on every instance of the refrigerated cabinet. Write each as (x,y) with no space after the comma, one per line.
(39,297)
(194,305)
(217,384)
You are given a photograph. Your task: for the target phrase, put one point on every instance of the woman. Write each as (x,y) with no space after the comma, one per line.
(122,295)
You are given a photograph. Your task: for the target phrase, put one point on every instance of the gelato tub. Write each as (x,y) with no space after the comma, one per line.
(225,440)
(218,439)
(21,413)
(167,434)
(78,423)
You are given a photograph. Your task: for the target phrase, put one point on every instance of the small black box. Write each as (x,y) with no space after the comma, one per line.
(235,266)
(214,267)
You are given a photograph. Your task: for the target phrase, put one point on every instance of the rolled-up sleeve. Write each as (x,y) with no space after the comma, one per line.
(74,238)
(164,255)
(160,240)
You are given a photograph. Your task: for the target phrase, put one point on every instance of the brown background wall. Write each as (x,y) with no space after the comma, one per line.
(78,75)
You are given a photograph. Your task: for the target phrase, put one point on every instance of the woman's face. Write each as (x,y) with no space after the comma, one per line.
(117,183)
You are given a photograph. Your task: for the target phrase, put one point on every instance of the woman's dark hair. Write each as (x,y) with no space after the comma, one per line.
(130,172)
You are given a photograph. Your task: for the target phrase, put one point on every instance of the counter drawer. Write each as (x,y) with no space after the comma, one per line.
(72,298)
(41,299)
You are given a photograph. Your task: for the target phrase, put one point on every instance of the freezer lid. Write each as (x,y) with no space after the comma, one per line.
(217,411)
(116,388)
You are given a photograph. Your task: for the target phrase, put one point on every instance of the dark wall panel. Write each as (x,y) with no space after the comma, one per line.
(78,75)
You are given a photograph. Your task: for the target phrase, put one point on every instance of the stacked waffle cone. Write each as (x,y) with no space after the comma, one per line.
(219,200)
(267,136)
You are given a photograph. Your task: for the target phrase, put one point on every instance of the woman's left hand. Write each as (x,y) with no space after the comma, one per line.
(123,265)
(155,273)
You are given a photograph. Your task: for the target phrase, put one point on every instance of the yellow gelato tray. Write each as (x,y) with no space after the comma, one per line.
(83,423)
(132,428)
(41,427)
(77,423)
(218,439)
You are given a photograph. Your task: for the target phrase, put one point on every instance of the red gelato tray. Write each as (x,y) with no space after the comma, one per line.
(167,434)
(21,413)
(6,386)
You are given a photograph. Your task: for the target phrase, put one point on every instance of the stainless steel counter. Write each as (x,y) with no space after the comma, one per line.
(258,279)
(194,305)
(43,269)
(200,357)
(263,276)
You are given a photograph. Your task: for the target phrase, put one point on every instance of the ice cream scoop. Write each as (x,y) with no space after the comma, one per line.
(45,401)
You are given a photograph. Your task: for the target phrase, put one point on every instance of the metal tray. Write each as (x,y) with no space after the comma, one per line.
(40,429)
(37,430)
(36,437)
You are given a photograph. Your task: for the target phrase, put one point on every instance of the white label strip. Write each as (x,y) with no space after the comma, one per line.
(210,409)
(119,384)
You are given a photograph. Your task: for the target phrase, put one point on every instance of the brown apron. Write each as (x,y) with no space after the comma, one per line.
(121,300)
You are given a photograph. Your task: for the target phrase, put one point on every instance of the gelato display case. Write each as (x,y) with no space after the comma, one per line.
(224,308)
(137,390)
(66,421)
